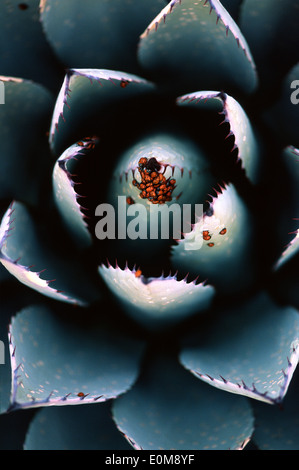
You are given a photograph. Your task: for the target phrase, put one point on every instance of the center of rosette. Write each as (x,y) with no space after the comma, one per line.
(162,169)
(158,188)
(153,185)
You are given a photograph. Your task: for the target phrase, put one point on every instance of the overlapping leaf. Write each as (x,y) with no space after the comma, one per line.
(86,98)
(257,355)
(198,43)
(25,50)
(157,302)
(27,255)
(271,31)
(53,363)
(67,197)
(245,140)
(102,34)
(277,426)
(167,409)
(25,156)
(79,428)
(218,247)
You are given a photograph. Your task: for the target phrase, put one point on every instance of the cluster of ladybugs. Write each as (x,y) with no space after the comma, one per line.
(207,236)
(154,186)
(157,189)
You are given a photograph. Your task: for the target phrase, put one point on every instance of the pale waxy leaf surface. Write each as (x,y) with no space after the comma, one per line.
(219,246)
(55,362)
(169,410)
(198,43)
(32,260)
(257,355)
(156,302)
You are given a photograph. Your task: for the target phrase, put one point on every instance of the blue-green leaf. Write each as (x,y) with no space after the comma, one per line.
(97,34)
(82,105)
(277,427)
(168,409)
(23,246)
(257,355)
(156,302)
(25,156)
(220,244)
(55,362)
(199,44)
(25,50)
(66,197)
(271,31)
(14,296)
(74,428)
(240,126)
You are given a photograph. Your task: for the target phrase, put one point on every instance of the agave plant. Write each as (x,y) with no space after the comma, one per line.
(118,105)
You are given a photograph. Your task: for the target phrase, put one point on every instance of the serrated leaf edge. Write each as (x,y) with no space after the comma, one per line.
(65,90)
(60,401)
(162,17)
(35,275)
(213,197)
(222,97)
(251,391)
(78,151)
(147,280)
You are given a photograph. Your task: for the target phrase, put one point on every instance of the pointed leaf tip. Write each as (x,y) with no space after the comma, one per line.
(184,412)
(28,257)
(219,245)
(79,99)
(256,357)
(240,127)
(65,194)
(54,364)
(155,302)
(109,31)
(199,43)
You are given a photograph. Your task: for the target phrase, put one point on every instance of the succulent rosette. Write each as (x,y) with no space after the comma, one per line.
(149,235)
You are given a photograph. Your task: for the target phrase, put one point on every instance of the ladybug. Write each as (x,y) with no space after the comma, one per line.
(142,161)
(124,83)
(153,185)
(130,200)
(205,235)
